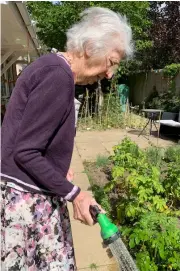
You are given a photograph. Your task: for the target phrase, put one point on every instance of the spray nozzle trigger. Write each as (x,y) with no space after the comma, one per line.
(94,211)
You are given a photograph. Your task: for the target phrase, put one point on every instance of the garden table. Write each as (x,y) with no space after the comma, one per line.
(152,115)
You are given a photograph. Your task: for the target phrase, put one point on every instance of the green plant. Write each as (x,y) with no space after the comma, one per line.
(168,100)
(133,120)
(93,266)
(172,154)
(136,183)
(143,197)
(155,155)
(109,114)
(171,180)
(171,184)
(102,198)
(155,240)
(102,161)
(171,70)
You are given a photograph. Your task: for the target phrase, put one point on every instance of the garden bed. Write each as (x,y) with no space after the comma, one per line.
(98,175)
(140,190)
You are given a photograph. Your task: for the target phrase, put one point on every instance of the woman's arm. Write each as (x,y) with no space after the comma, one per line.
(44,111)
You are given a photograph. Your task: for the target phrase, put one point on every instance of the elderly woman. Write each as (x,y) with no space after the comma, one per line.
(37,143)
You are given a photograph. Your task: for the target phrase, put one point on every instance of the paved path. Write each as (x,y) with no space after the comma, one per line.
(87,241)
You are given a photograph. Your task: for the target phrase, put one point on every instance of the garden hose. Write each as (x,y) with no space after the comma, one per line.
(111,237)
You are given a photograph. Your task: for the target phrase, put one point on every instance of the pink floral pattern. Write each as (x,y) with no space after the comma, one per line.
(35,232)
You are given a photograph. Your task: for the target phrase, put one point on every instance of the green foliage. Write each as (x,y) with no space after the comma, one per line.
(169,100)
(143,197)
(93,266)
(156,238)
(111,113)
(155,155)
(108,116)
(139,180)
(102,161)
(103,198)
(172,70)
(172,154)
(172,184)
(164,33)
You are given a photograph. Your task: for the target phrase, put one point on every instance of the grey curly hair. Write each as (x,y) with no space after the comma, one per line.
(98,31)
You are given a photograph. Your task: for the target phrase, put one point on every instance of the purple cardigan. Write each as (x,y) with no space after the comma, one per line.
(39,127)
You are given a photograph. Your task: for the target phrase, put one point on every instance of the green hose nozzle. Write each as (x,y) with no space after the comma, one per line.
(109,231)
(111,236)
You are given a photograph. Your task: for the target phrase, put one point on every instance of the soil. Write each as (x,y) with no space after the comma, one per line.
(98,175)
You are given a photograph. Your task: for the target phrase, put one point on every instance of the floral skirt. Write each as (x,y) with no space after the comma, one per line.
(36,232)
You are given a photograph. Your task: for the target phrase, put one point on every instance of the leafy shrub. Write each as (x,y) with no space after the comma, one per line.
(171,184)
(156,241)
(108,115)
(171,70)
(172,154)
(102,161)
(155,155)
(143,197)
(102,198)
(136,183)
(168,101)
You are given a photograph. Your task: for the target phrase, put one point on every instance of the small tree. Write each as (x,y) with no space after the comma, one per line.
(165,33)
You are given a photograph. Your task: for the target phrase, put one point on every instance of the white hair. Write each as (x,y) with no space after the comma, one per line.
(98,31)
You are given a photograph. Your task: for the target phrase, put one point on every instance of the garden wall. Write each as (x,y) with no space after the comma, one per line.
(141,85)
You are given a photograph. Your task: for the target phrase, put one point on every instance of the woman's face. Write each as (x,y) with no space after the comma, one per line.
(89,70)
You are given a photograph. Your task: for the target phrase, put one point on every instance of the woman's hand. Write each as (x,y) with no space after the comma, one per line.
(81,206)
(70,175)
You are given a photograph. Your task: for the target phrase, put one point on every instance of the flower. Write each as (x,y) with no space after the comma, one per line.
(12,207)
(31,248)
(37,215)
(47,210)
(39,236)
(19,251)
(18,226)
(32,268)
(26,196)
(46,229)
(14,198)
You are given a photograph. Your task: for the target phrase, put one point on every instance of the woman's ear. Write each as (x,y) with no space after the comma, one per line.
(88,48)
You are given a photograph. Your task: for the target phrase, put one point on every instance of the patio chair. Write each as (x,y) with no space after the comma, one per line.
(170,124)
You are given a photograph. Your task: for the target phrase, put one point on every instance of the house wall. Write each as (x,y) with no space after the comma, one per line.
(142,85)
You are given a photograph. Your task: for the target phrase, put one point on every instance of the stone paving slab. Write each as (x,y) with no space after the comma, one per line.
(105,140)
(77,166)
(87,240)
(109,146)
(89,151)
(108,136)
(88,246)
(82,181)
(109,267)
